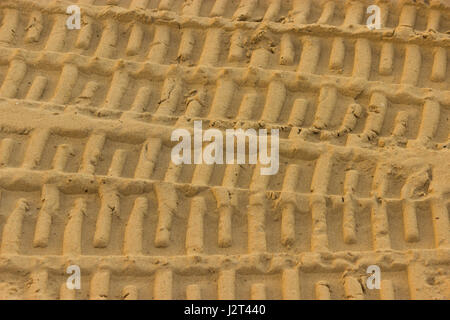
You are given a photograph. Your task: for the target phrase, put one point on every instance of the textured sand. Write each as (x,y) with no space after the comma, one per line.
(85,174)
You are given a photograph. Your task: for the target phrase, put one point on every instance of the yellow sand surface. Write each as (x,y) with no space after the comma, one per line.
(86,178)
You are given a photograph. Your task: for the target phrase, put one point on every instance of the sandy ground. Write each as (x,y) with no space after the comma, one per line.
(85,173)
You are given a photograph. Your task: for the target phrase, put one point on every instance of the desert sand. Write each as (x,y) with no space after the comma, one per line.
(86,177)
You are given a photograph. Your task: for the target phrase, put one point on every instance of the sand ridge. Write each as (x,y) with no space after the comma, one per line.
(85,171)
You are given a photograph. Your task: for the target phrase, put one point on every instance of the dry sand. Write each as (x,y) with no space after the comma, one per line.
(85,173)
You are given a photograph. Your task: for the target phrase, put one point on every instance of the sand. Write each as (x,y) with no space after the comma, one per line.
(86,178)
